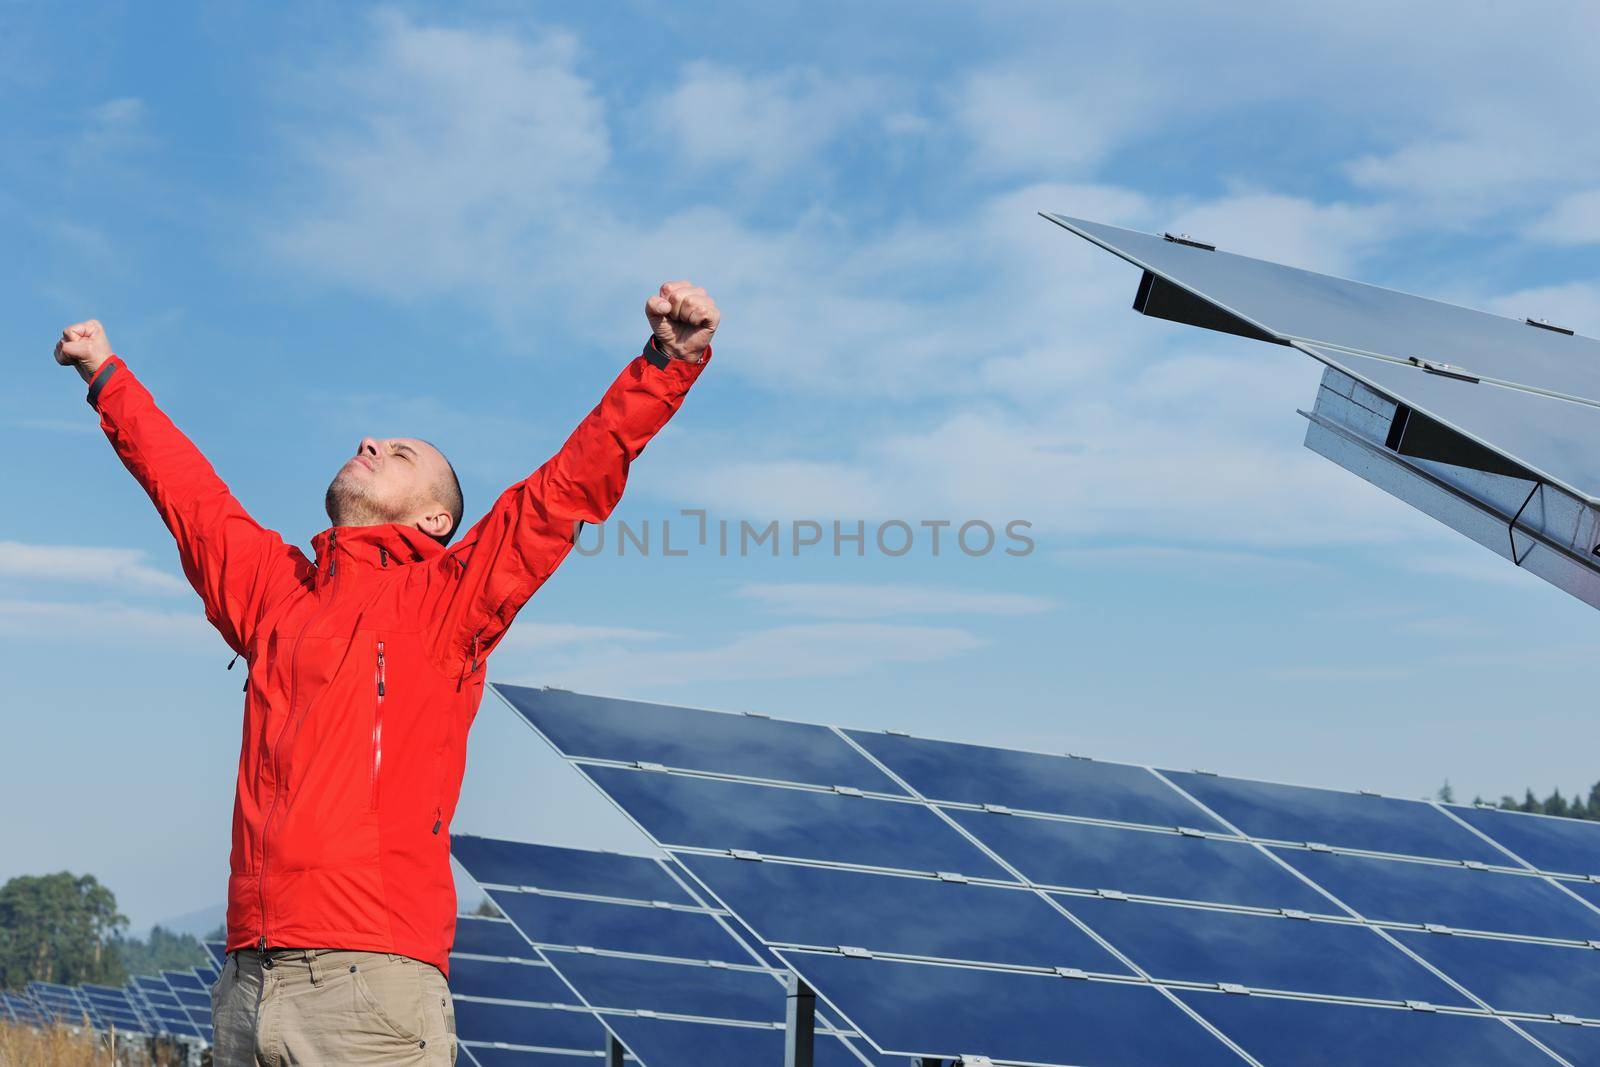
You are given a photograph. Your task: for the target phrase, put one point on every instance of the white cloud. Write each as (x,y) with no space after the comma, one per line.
(465,151)
(100,623)
(1330,238)
(126,569)
(864,601)
(1023,121)
(1574,220)
(765,124)
(117,125)
(1575,305)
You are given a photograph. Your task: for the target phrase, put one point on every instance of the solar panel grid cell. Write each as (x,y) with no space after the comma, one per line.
(1228,943)
(668,978)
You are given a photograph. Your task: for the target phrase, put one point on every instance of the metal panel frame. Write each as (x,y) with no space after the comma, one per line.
(1339,911)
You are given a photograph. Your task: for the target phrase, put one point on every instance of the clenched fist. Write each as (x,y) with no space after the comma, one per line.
(683,318)
(84,346)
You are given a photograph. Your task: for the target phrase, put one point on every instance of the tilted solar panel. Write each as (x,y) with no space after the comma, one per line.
(510,1006)
(662,970)
(989,903)
(1488,424)
(1289,304)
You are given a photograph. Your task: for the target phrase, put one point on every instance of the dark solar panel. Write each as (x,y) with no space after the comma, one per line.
(955,925)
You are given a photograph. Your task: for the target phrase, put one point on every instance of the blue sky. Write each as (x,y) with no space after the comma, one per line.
(306,223)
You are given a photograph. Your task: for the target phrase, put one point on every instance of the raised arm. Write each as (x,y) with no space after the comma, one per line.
(504,558)
(236,566)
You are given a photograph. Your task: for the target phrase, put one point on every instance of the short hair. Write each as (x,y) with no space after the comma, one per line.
(449,494)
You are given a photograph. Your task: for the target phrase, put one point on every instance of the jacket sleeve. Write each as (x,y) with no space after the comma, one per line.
(504,558)
(236,566)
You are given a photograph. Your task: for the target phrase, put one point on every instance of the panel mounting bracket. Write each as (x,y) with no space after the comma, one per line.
(1185,239)
(800,1024)
(1546,324)
(1511,527)
(1443,369)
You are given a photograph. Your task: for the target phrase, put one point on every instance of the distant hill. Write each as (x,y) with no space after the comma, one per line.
(200,923)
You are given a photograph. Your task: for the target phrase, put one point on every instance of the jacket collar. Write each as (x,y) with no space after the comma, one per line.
(384,545)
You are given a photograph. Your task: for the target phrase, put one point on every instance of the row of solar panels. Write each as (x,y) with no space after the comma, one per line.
(598,943)
(173,1003)
(947,900)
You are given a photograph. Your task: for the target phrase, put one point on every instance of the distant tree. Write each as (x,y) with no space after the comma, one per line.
(1446,795)
(1530,803)
(163,950)
(487,909)
(1555,804)
(1509,802)
(58,928)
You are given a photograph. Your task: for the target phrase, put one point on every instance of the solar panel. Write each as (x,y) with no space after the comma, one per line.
(662,969)
(1289,304)
(1488,424)
(510,1006)
(984,906)
(165,1010)
(218,952)
(62,1004)
(113,1007)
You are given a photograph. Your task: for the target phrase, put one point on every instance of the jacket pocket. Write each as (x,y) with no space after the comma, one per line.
(380,681)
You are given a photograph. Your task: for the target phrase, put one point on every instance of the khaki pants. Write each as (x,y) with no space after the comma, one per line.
(325,1007)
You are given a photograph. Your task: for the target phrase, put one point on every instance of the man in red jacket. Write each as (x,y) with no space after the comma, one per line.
(365,669)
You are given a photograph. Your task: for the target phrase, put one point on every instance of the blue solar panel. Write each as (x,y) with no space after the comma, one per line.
(566,870)
(929,918)
(1516,975)
(673,1041)
(1459,897)
(1562,846)
(522,1024)
(483,936)
(1094,947)
(601,728)
(645,958)
(690,935)
(218,952)
(911,1009)
(630,984)
(1028,781)
(1578,1045)
(1171,865)
(1321,1034)
(792,822)
(493,1056)
(1261,951)
(1343,820)
(531,980)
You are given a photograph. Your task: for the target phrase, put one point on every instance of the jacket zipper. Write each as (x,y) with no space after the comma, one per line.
(377,726)
(277,753)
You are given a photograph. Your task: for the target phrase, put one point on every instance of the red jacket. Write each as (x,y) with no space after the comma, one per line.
(366,666)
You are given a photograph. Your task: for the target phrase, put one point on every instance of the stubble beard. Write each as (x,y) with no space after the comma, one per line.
(349,504)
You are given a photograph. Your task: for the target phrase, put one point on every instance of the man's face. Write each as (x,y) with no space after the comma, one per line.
(389,479)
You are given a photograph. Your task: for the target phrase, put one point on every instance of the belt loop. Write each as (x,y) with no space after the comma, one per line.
(311,967)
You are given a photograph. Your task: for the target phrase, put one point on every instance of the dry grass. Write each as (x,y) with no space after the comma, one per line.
(58,1046)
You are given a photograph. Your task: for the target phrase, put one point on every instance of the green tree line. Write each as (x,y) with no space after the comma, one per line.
(1577,806)
(65,928)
